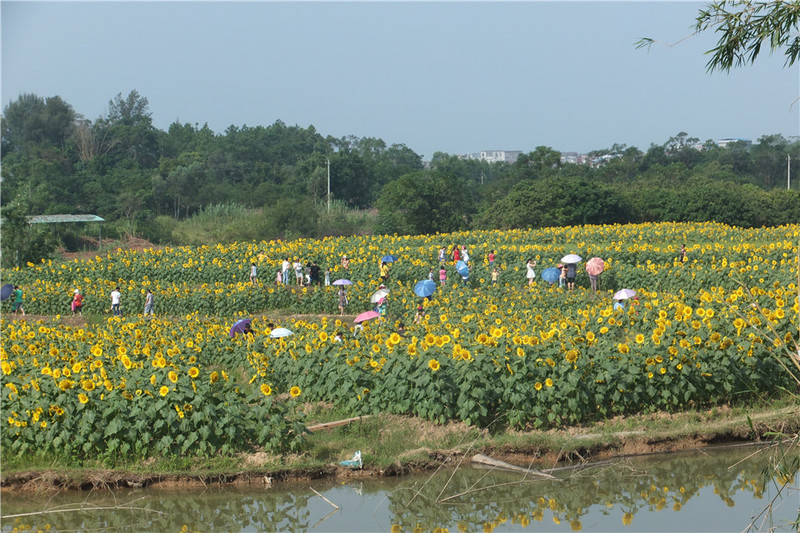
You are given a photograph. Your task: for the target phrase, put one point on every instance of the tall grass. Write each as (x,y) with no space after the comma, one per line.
(219,223)
(235,222)
(341,220)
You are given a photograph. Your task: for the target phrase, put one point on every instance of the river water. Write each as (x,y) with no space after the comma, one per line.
(723,489)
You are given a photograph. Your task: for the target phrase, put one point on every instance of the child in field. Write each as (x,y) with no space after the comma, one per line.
(442,276)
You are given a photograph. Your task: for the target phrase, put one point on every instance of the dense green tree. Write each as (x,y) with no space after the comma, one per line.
(543,161)
(424,202)
(128,126)
(32,120)
(557,201)
(769,160)
(22,241)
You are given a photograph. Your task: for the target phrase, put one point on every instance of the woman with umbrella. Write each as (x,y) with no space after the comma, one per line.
(384,271)
(342,299)
(382,308)
(571,261)
(594,267)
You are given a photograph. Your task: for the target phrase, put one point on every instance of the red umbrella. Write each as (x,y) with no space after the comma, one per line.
(367,315)
(595,266)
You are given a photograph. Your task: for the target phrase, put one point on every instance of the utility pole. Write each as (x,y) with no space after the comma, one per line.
(329,185)
(788,172)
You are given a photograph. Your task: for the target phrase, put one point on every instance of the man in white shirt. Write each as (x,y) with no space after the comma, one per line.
(116,296)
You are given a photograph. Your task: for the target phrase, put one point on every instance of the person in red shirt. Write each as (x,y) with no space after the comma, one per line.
(77,303)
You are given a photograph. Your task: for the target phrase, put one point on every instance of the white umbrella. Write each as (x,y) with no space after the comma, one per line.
(280,332)
(571,258)
(624,294)
(379,295)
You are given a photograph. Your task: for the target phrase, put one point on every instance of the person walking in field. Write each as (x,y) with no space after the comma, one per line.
(77,303)
(342,300)
(298,271)
(116,298)
(562,277)
(285,266)
(314,278)
(442,255)
(530,273)
(18,300)
(253,273)
(491,259)
(384,271)
(279,277)
(572,271)
(495,276)
(442,276)
(149,303)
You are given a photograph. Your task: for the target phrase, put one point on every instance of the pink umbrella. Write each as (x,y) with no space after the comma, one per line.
(367,315)
(595,266)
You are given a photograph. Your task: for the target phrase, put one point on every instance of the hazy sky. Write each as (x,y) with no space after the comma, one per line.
(436,76)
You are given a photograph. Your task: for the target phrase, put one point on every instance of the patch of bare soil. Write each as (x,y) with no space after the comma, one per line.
(67,320)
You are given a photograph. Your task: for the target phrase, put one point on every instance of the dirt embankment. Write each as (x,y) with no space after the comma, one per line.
(654,434)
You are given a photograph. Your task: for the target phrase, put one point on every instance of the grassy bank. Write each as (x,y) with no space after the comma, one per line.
(396,445)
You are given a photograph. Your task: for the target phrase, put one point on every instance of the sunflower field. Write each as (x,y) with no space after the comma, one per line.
(713,329)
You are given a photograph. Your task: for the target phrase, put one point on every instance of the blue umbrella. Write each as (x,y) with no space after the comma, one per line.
(6,291)
(239,326)
(389,258)
(551,275)
(462,269)
(424,288)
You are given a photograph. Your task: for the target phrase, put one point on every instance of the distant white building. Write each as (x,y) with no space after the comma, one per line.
(495,156)
(725,143)
(574,158)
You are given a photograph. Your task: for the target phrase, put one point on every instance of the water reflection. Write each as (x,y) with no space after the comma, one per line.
(719,491)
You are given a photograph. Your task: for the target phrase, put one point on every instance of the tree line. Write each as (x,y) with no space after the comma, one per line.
(143,180)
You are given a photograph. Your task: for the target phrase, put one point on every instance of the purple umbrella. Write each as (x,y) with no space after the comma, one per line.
(239,326)
(342,282)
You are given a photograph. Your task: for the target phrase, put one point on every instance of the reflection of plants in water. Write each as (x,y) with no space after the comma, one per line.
(761,322)
(492,498)
(212,510)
